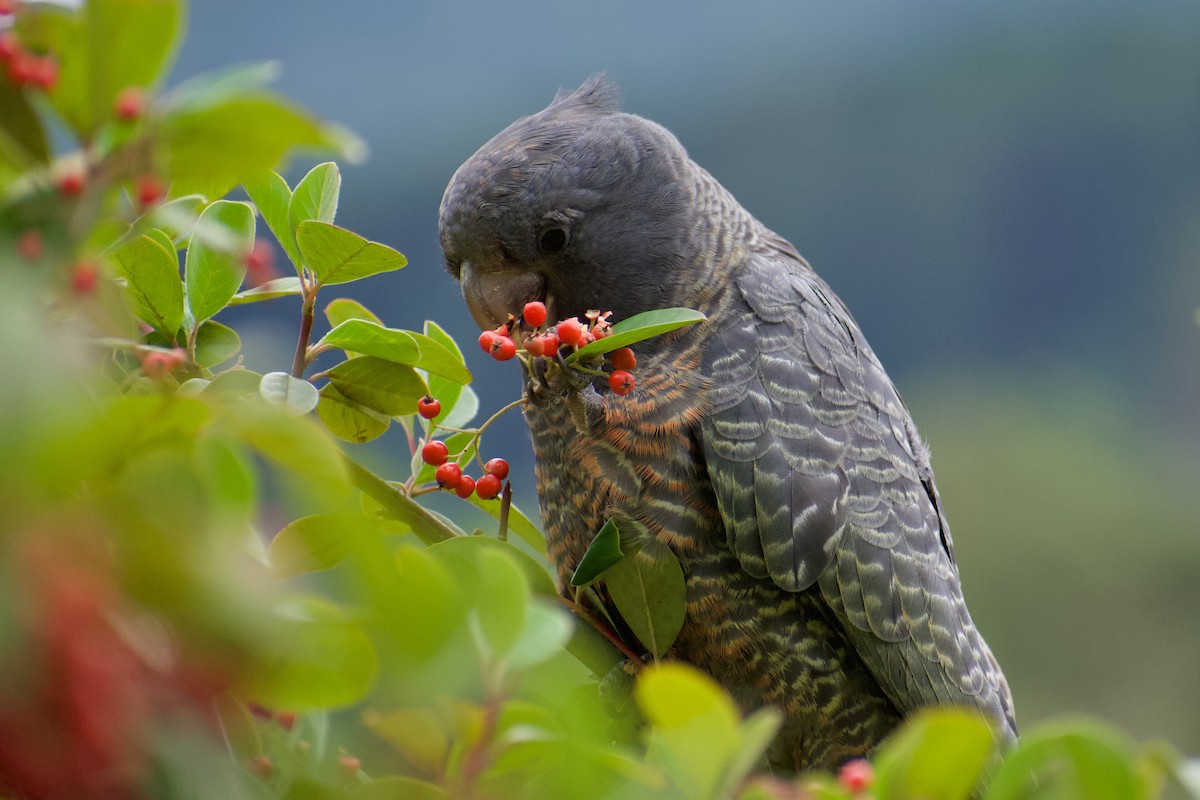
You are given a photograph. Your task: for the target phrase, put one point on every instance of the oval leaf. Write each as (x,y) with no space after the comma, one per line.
(370,339)
(916,761)
(216,343)
(347,420)
(389,388)
(1072,759)
(215,269)
(272,197)
(323,541)
(336,255)
(648,591)
(152,274)
(638,328)
(343,308)
(315,196)
(296,395)
(280,287)
(602,553)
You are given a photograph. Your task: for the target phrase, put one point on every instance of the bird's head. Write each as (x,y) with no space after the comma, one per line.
(579,205)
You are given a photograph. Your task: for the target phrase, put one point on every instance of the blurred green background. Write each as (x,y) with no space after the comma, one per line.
(1006,195)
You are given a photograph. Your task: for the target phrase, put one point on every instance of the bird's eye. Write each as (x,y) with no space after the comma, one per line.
(552,240)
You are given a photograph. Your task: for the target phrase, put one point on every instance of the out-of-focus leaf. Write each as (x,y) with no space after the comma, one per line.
(102,48)
(416,733)
(468,547)
(152,276)
(755,734)
(214,274)
(389,388)
(336,255)
(502,593)
(316,196)
(280,287)
(296,395)
(348,420)
(216,343)
(391,787)
(604,552)
(271,196)
(937,754)
(316,659)
(296,444)
(546,630)
(1077,758)
(227,474)
(648,591)
(22,139)
(433,603)
(234,383)
(638,328)
(343,308)
(323,541)
(210,88)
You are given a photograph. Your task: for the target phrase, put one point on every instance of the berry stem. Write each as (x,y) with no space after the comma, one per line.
(505,503)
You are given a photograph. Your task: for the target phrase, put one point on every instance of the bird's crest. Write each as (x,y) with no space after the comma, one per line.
(597,94)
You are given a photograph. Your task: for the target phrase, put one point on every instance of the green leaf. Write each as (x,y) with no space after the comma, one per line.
(212,88)
(518,522)
(370,339)
(602,553)
(392,786)
(1073,758)
(343,308)
(637,328)
(212,148)
(22,140)
(418,734)
(234,383)
(456,412)
(295,395)
(272,197)
(152,275)
(755,734)
(336,255)
(939,754)
(105,47)
(648,591)
(503,593)
(437,359)
(316,196)
(546,630)
(216,344)
(214,273)
(468,547)
(348,420)
(298,445)
(315,659)
(280,287)
(389,388)
(323,541)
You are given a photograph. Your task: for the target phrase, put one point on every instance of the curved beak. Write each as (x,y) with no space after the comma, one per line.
(492,295)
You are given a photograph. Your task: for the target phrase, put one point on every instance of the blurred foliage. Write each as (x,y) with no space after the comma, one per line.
(154,644)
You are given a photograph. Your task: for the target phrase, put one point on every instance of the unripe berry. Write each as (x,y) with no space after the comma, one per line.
(623,359)
(497,467)
(130,103)
(503,348)
(435,453)
(621,382)
(30,245)
(534,314)
(569,331)
(448,476)
(466,485)
(156,364)
(856,776)
(487,487)
(428,408)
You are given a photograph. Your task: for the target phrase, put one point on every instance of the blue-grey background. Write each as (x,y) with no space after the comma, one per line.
(1006,195)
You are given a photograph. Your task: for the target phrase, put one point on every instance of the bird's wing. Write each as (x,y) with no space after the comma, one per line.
(822,481)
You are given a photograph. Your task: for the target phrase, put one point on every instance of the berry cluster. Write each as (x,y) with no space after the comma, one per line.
(21,67)
(550,342)
(449,475)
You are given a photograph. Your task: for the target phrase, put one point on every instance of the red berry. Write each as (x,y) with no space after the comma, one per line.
(22,67)
(600,333)
(149,190)
(549,344)
(45,73)
(84,277)
(534,314)
(70,184)
(503,348)
(428,408)
(448,476)
(156,364)
(497,467)
(856,776)
(466,485)
(623,359)
(486,339)
(621,382)
(30,245)
(487,487)
(10,45)
(260,264)
(435,453)
(586,337)
(177,357)
(535,346)
(130,103)
(349,765)
(286,719)
(569,331)
(8,7)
